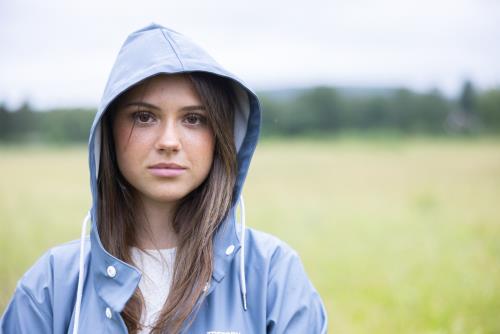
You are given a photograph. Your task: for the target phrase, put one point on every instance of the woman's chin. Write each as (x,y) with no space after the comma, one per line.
(166,198)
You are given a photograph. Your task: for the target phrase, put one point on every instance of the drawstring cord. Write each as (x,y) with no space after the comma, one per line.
(80,275)
(82,266)
(242,254)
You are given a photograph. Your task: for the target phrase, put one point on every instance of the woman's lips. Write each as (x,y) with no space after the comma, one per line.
(166,170)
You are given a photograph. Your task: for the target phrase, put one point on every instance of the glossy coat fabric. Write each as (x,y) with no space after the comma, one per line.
(279,296)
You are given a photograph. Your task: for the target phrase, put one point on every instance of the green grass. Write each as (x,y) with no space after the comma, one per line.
(398,236)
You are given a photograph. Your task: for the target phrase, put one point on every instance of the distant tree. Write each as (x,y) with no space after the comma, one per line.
(375,114)
(405,110)
(23,122)
(66,125)
(5,127)
(465,119)
(433,112)
(316,110)
(488,109)
(272,116)
(468,98)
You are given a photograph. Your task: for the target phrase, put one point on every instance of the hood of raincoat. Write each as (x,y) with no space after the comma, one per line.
(156,49)
(145,53)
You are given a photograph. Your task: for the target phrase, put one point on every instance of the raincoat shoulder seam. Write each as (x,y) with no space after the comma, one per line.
(288,253)
(26,292)
(280,253)
(68,243)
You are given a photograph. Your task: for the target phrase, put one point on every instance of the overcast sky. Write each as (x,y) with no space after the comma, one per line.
(59,53)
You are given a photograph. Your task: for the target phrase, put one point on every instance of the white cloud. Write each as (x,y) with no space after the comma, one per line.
(60,53)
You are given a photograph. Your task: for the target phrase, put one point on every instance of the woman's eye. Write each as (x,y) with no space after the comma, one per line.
(195,119)
(143,117)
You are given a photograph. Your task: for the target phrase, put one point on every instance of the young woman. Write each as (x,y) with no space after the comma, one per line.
(169,151)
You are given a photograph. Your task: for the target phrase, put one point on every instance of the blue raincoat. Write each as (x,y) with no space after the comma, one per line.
(258,283)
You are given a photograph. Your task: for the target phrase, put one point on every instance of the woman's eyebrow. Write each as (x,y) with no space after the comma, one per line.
(152,106)
(141,104)
(193,108)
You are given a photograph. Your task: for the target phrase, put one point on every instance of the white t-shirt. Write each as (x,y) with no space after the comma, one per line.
(157,269)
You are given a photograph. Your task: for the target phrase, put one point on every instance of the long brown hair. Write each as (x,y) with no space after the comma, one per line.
(196,220)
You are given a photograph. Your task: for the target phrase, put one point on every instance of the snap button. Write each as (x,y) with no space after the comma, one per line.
(230,250)
(111,271)
(108,313)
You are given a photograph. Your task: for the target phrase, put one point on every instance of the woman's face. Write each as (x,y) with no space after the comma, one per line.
(164,144)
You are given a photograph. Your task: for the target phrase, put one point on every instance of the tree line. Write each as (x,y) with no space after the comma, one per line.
(314,111)
(326,110)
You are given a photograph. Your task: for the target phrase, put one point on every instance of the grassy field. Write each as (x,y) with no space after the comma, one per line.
(398,236)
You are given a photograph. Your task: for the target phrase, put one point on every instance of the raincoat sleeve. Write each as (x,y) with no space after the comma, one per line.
(29,309)
(293,304)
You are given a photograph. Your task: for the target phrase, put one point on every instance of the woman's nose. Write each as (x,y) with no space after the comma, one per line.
(168,138)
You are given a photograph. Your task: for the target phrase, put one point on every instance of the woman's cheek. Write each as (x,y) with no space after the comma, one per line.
(136,140)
